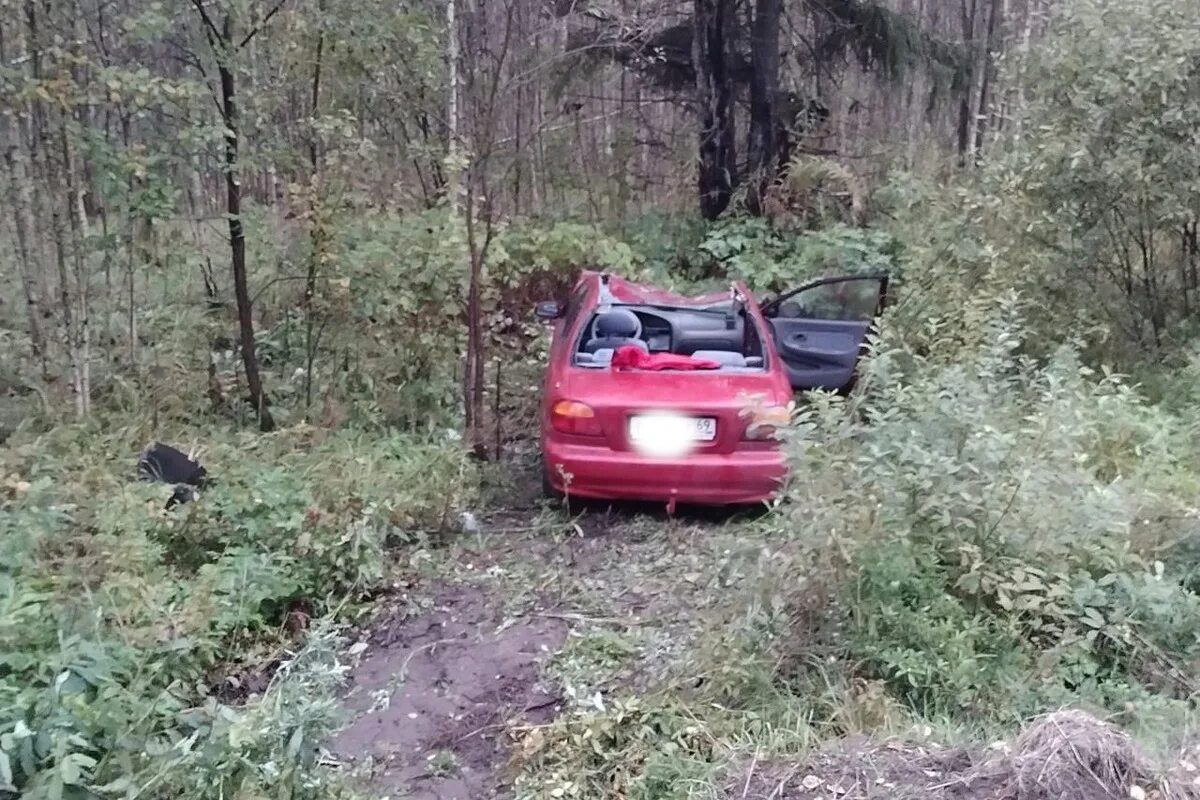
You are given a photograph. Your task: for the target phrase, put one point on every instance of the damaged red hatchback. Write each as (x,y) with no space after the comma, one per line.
(650,395)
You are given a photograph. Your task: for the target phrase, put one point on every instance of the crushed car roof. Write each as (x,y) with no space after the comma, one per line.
(626,291)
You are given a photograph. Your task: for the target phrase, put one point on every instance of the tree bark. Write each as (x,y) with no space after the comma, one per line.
(199,210)
(66,295)
(982,79)
(1031,12)
(237,237)
(77,220)
(762,148)
(474,377)
(22,212)
(966,105)
(452,132)
(714,20)
(316,224)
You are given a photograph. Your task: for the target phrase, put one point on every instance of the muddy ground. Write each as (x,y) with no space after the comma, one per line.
(451,666)
(436,691)
(540,611)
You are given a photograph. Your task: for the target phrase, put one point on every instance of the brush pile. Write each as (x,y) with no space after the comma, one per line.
(1066,755)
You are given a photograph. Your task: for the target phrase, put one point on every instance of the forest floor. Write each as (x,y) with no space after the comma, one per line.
(541,614)
(504,628)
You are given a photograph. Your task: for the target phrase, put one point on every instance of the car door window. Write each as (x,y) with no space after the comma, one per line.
(819,329)
(574,306)
(848,300)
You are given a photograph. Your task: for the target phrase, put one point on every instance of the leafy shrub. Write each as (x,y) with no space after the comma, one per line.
(99,718)
(562,247)
(1087,201)
(771,258)
(668,244)
(117,621)
(635,748)
(407,280)
(975,523)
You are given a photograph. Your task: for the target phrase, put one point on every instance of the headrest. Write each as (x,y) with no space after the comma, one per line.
(617,323)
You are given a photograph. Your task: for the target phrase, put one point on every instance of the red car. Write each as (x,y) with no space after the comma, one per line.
(650,395)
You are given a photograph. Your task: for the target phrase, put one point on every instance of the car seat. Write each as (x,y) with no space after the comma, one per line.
(613,329)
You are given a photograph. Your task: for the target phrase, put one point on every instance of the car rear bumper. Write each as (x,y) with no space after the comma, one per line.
(747,476)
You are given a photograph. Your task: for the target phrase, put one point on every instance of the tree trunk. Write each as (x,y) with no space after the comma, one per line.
(966,105)
(199,210)
(762,148)
(60,199)
(452,132)
(473,377)
(316,223)
(982,81)
(237,238)
(715,95)
(1031,12)
(22,212)
(77,219)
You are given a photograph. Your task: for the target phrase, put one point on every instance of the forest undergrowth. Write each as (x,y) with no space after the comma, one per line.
(969,540)
(982,579)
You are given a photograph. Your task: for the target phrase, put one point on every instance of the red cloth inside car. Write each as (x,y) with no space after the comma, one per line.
(629,357)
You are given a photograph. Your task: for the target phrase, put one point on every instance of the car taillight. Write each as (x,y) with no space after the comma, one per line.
(571,416)
(763,423)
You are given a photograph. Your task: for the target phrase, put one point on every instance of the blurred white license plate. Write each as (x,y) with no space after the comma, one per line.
(647,428)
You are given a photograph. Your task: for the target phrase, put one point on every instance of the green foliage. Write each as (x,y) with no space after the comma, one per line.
(1087,204)
(648,750)
(97,717)
(118,621)
(771,258)
(564,248)
(668,244)
(1109,159)
(890,43)
(976,520)
(407,280)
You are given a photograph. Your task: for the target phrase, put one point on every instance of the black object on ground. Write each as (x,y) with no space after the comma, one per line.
(161,463)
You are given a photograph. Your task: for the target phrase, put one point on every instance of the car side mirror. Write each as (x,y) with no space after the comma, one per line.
(547,310)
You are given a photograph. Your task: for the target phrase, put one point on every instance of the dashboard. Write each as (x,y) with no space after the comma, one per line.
(683,331)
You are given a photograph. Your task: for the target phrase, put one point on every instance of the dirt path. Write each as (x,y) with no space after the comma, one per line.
(436,691)
(575,605)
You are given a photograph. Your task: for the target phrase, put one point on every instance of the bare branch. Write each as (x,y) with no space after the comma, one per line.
(210,30)
(245,41)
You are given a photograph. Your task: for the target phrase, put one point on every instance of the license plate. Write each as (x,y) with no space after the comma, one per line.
(698,429)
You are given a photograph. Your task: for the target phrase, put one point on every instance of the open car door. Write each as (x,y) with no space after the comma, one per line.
(820,328)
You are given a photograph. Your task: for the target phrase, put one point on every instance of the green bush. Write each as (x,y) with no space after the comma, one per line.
(980,524)
(99,718)
(405,280)
(773,258)
(668,244)
(1086,202)
(118,622)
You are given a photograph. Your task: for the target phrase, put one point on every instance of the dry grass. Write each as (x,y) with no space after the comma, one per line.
(1066,755)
